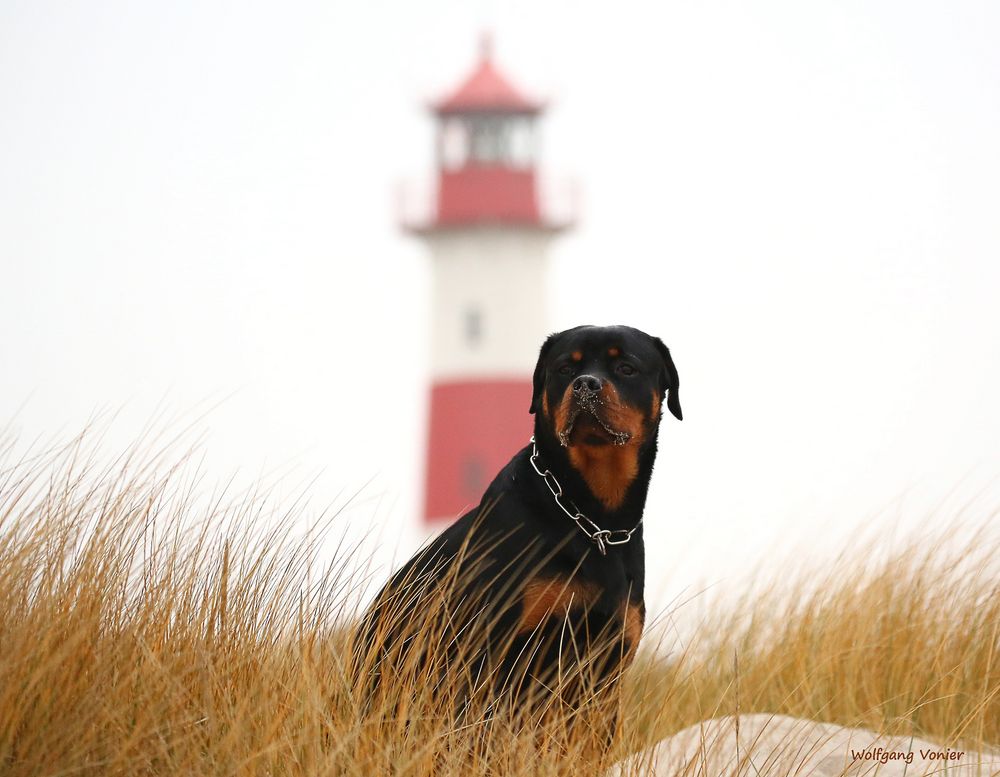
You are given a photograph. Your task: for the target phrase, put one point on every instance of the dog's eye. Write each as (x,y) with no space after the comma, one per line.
(626,369)
(566,369)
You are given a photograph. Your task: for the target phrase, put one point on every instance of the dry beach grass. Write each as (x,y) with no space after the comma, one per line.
(145,630)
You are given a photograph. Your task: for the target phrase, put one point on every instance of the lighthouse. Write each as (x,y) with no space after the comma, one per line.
(488,235)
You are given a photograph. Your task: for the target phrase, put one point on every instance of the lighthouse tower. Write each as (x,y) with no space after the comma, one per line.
(487,236)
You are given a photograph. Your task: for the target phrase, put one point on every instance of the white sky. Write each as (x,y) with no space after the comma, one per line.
(801,199)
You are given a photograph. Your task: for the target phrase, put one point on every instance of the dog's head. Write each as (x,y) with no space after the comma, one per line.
(604,386)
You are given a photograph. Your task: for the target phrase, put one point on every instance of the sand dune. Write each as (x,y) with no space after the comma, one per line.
(777,745)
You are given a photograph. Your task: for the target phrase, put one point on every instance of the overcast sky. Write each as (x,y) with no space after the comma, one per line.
(801,199)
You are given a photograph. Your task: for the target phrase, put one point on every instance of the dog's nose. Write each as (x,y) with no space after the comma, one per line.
(585,385)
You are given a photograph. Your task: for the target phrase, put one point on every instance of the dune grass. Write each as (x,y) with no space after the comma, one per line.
(145,629)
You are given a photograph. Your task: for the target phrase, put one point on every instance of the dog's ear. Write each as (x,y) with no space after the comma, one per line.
(670,383)
(538,381)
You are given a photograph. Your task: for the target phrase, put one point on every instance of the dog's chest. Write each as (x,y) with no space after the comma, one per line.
(620,573)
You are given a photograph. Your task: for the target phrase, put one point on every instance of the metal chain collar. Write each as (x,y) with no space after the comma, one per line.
(600,537)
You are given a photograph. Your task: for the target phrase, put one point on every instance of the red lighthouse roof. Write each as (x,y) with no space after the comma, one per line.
(487,90)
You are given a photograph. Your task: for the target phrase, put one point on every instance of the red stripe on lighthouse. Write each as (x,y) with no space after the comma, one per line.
(475,427)
(478,193)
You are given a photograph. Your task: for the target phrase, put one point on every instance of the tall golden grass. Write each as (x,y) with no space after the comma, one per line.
(147,630)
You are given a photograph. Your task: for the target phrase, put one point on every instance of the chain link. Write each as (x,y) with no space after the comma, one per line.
(600,537)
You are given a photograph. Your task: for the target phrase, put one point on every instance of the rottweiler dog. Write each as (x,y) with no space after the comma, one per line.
(536,595)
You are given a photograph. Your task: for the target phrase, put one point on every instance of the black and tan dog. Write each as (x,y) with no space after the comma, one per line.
(537,594)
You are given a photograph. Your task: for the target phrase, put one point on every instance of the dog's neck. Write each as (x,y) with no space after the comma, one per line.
(609,483)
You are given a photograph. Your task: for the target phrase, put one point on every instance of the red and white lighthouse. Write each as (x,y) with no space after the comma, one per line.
(488,236)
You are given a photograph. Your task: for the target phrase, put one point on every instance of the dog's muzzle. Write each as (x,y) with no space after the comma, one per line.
(587,399)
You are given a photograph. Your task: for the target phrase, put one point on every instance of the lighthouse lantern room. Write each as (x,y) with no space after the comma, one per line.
(488,238)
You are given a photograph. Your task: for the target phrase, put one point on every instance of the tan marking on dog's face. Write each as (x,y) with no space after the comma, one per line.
(620,416)
(547,597)
(654,413)
(545,404)
(577,356)
(563,412)
(613,352)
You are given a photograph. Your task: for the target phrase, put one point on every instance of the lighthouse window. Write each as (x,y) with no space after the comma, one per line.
(522,143)
(454,142)
(473,326)
(487,140)
(490,139)
(506,140)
